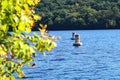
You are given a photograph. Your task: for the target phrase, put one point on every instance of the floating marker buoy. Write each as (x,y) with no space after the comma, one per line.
(77,40)
(73,36)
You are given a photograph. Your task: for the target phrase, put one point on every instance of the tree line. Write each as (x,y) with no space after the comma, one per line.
(79,14)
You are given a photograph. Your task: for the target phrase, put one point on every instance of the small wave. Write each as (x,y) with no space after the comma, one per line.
(50,69)
(77,53)
(59,59)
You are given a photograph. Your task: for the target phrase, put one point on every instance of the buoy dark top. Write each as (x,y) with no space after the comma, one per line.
(73,36)
(77,40)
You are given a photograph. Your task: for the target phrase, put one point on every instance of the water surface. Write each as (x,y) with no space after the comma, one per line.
(97,59)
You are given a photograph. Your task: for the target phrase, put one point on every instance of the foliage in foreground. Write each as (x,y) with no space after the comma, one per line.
(18,48)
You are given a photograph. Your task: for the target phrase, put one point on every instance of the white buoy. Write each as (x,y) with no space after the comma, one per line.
(73,36)
(77,41)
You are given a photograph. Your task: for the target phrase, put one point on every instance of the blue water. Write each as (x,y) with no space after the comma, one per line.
(97,59)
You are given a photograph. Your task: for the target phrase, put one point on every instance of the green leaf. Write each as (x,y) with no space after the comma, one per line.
(44,53)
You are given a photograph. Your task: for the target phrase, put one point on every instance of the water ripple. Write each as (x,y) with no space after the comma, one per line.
(97,59)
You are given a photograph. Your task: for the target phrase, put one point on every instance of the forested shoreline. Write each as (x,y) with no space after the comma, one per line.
(79,14)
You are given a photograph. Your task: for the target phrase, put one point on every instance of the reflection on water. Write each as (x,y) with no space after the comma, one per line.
(97,59)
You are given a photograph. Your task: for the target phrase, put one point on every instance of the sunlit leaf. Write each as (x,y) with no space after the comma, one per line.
(36,17)
(36,1)
(30,2)
(21,26)
(3,28)
(21,74)
(44,53)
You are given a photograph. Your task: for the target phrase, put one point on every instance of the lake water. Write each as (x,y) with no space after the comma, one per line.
(97,59)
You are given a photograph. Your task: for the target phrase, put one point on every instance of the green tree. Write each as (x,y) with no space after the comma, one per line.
(93,13)
(18,48)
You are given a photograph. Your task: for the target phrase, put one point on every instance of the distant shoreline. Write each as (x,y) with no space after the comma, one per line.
(56,28)
(75,29)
